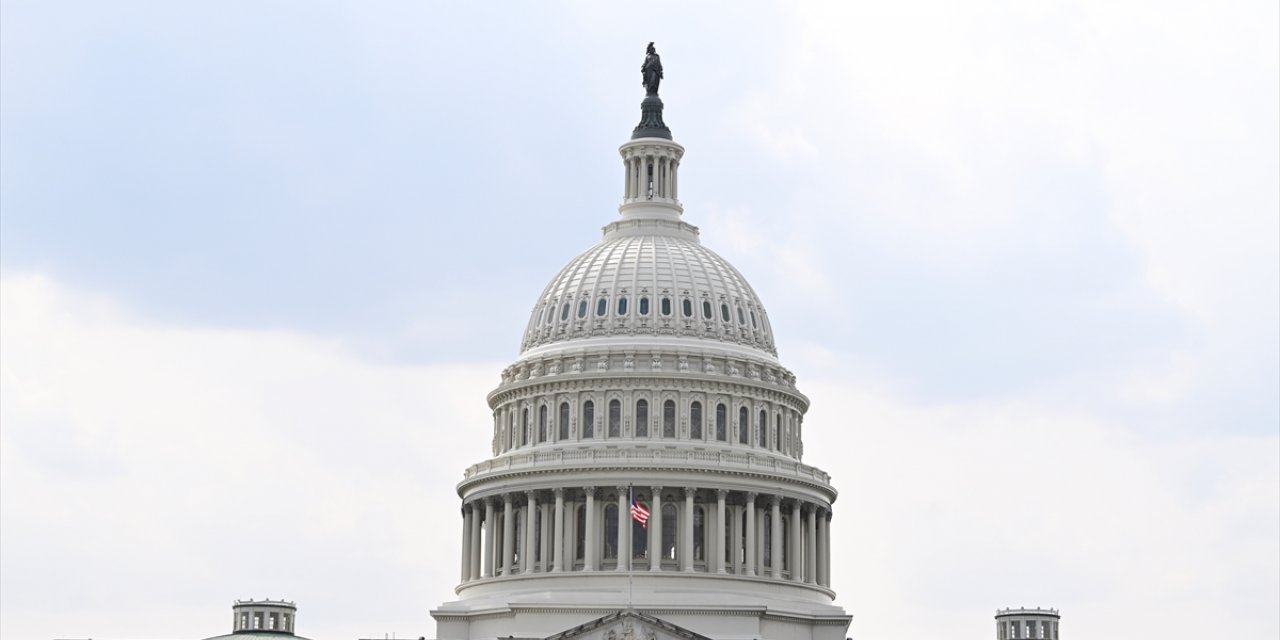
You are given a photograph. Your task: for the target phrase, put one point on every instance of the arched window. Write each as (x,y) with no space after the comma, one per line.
(666,306)
(518,552)
(622,305)
(777,432)
(744,425)
(669,532)
(602,307)
(763,440)
(611,532)
(706,309)
(741,318)
(785,445)
(753,320)
(767,542)
(564,312)
(644,305)
(695,420)
(588,419)
(615,419)
(512,432)
(582,309)
(581,537)
(669,419)
(699,533)
(722,429)
(786,546)
(563,427)
(542,423)
(687,306)
(724,312)
(524,426)
(642,418)
(537,539)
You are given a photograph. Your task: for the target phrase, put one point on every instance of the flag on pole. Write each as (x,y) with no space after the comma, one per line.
(639,513)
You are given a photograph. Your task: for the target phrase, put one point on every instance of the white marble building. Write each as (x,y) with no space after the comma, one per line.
(648,371)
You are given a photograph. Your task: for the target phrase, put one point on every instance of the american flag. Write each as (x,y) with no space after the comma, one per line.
(639,513)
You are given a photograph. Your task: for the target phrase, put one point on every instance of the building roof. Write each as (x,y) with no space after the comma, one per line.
(618,287)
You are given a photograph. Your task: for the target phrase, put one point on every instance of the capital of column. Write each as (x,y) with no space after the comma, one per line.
(656,490)
(558,492)
(751,497)
(722,493)
(775,500)
(690,491)
(589,491)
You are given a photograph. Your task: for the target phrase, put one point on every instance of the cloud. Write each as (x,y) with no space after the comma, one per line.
(153,473)
(948,512)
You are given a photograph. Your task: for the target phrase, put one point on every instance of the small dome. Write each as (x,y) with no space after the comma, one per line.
(652,279)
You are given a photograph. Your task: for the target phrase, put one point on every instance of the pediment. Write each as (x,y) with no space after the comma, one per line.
(627,624)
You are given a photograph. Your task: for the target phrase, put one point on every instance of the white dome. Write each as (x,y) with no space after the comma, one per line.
(654,279)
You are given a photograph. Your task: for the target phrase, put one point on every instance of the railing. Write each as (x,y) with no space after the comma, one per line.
(684,458)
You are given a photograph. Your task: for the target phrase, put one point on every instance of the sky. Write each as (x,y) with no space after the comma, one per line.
(261,262)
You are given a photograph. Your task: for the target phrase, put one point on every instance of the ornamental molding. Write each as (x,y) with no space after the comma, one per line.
(576,463)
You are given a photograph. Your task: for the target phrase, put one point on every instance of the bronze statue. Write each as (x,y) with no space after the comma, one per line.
(651,70)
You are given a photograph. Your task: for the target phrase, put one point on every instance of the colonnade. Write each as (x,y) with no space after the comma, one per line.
(689,530)
(651,174)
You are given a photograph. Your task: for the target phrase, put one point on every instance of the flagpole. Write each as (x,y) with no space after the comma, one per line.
(631,494)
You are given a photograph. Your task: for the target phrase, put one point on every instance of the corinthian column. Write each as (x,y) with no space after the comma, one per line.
(797,563)
(508,535)
(655,530)
(719,545)
(476,552)
(589,545)
(466,542)
(490,538)
(557,541)
(811,547)
(624,519)
(751,551)
(775,532)
(530,522)
(686,554)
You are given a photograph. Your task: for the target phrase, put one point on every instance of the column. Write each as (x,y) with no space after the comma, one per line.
(466,543)
(775,532)
(626,191)
(508,534)
(686,553)
(735,538)
(557,545)
(624,528)
(530,521)
(655,530)
(719,546)
(589,545)
(476,552)
(811,547)
(794,553)
(750,548)
(490,537)
(825,523)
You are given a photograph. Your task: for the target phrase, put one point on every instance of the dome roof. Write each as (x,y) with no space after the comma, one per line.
(649,278)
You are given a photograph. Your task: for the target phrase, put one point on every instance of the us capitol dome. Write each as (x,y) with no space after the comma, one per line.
(647,476)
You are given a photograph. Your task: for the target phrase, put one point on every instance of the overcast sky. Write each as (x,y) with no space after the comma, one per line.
(262,261)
